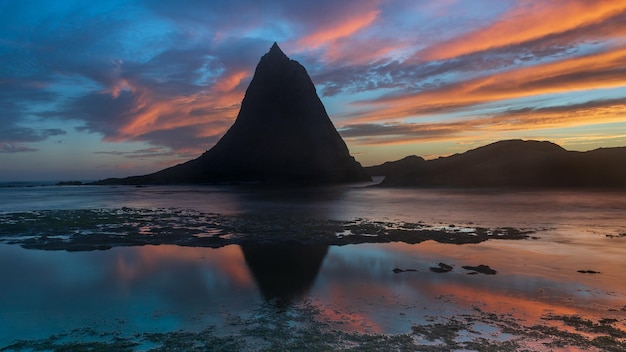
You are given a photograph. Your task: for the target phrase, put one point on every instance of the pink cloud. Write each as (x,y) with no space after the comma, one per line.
(529,20)
(341,29)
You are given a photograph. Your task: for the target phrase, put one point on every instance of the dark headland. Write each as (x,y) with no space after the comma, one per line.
(510,164)
(282,135)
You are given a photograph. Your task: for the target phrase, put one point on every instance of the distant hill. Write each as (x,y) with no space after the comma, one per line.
(282,134)
(511,164)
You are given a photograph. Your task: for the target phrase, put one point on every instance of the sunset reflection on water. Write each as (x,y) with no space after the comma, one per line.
(528,285)
(157,288)
(356,289)
(167,287)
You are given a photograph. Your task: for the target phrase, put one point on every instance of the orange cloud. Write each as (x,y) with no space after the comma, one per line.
(530,20)
(346,28)
(589,113)
(120,85)
(202,110)
(231,81)
(356,52)
(147,259)
(604,70)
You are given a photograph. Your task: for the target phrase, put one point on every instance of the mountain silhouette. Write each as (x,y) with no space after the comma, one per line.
(282,134)
(511,163)
(284,273)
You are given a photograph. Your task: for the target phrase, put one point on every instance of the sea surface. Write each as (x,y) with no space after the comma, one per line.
(573,266)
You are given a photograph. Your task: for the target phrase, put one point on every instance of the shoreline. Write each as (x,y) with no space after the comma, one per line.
(303,327)
(101,229)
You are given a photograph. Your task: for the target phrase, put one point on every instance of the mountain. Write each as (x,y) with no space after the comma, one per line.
(511,164)
(282,134)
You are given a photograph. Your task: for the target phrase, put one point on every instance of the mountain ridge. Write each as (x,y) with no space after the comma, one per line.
(510,164)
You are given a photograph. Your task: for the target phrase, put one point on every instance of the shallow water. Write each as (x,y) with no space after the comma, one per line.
(167,288)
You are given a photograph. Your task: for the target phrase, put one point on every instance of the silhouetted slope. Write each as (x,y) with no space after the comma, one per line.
(282,135)
(513,163)
(404,171)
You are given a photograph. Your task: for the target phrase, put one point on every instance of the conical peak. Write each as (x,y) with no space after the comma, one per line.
(282,134)
(275,52)
(275,48)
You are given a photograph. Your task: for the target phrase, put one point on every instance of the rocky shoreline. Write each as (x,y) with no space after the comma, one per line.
(299,328)
(101,229)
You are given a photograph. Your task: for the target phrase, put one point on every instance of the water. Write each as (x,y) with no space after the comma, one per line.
(166,288)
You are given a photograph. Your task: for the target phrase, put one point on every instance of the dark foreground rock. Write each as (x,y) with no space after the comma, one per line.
(441,268)
(588,272)
(98,229)
(482,269)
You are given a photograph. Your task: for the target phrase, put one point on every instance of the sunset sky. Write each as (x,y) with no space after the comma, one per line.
(90,90)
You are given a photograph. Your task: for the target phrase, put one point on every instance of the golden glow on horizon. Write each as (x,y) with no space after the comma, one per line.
(531,120)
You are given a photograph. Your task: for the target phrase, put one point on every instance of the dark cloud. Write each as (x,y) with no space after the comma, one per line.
(102,113)
(182,138)
(395,132)
(19,134)
(559,109)
(154,152)
(15,148)
(13,136)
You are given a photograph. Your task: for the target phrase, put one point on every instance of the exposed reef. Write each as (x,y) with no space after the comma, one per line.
(302,327)
(98,229)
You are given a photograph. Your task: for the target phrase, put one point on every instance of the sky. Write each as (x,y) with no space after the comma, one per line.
(97,89)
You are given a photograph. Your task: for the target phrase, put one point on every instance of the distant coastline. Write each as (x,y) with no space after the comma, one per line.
(510,164)
(12,184)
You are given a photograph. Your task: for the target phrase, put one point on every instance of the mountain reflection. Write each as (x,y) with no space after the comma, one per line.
(286,272)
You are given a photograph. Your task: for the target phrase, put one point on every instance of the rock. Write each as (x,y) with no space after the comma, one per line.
(69,183)
(282,135)
(446,266)
(441,268)
(483,269)
(588,272)
(398,270)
